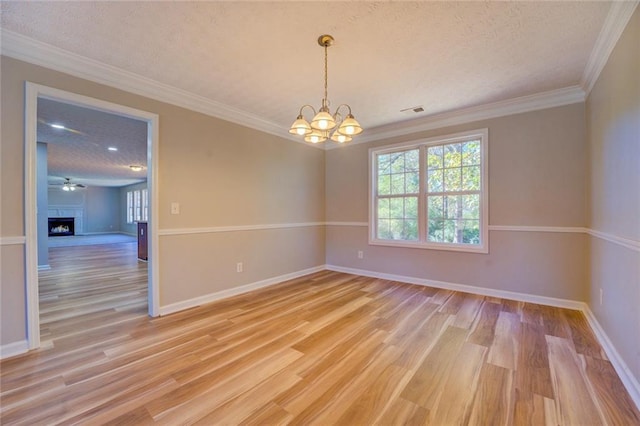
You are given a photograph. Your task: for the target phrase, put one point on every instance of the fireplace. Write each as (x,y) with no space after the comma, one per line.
(59,226)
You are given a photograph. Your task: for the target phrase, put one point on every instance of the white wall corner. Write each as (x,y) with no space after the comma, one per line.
(614,25)
(629,381)
(13,349)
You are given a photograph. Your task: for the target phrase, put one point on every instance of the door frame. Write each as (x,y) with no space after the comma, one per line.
(34,91)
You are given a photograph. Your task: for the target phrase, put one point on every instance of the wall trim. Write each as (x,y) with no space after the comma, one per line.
(628,380)
(236,228)
(569,229)
(613,27)
(13,349)
(346,224)
(482,291)
(553,98)
(624,242)
(26,49)
(36,52)
(12,241)
(212,297)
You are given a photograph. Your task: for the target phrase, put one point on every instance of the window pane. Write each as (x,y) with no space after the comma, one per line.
(471,178)
(452,155)
(397,162)
(383,229)
(435,181)
(471,206)
(397,184)
(397,227)
(383,208)
(435,232)
(396,207)
(453,207)
(471,233)
(434,157)
(411,160)
(411,207)
(384,184)
(411,230)
(452,180)
(451,231)
(435,206)
(383,164)
(412,182)
(471,153)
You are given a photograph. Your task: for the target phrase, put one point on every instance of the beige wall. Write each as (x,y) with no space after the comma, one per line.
(537,175)
(222,174)
(613,122)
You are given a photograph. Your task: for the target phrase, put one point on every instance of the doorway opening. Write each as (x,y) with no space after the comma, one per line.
(35,214)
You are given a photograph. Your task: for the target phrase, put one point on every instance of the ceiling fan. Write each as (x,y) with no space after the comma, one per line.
(67,185)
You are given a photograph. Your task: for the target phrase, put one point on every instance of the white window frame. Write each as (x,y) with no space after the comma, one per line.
(129,206)
(145,205)
(422,144)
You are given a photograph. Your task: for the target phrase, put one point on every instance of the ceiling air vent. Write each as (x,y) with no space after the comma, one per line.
(413,110)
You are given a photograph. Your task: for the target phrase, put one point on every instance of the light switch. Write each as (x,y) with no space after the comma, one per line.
(175,208)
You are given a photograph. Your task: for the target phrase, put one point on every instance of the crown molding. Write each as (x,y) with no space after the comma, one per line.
(26,49)
(554,98)
(614,24)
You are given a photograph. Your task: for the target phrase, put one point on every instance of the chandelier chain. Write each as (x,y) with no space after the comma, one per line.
(326,73)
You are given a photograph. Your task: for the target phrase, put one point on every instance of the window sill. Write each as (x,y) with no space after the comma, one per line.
(465,248)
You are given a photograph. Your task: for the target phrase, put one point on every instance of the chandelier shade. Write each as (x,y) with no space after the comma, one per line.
(323,121)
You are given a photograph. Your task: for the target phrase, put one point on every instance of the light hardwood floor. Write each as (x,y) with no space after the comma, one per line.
(324,349)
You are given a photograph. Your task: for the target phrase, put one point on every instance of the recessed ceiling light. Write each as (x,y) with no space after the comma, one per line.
(112,148)
(57,126)
(135,168)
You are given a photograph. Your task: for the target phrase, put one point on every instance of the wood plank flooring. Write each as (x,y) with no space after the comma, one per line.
(324,349)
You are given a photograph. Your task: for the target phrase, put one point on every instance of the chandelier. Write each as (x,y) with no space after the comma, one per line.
(323,122)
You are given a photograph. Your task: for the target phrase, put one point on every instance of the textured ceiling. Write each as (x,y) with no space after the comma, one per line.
(80,150)
(261,58)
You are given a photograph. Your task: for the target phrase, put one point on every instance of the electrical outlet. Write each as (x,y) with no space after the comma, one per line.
(601,295)
(175,208)
(360,254)
(239,267)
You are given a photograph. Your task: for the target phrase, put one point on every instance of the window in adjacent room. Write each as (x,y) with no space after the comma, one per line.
(137,206)
(431,193)
(130,207)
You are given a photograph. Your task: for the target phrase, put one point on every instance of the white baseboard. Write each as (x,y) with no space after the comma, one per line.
(503,294)
(13,349)
(630,382)
(212,297)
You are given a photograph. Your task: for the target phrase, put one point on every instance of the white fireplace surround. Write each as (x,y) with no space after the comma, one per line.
(66,211)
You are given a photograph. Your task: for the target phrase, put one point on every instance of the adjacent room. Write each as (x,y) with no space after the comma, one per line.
(93,211)
(347,213)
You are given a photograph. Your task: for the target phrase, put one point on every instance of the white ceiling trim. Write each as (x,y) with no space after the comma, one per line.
(33,51)
(615,23)
(550,99)
(36,52)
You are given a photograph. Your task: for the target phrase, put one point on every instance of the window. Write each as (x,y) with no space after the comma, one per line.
(129,207)
(431,193)
(137,206)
